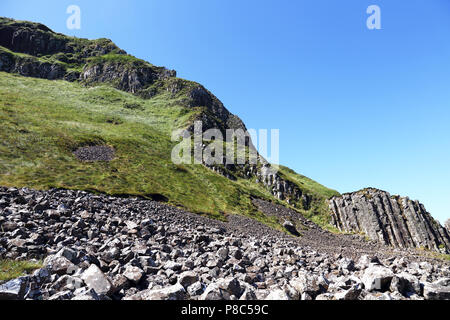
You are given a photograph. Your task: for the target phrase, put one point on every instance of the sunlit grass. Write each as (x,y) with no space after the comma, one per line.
(11,269)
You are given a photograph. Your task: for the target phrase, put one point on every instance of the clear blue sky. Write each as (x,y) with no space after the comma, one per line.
(355,108)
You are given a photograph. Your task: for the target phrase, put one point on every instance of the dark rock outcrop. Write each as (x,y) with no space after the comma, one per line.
(131,78)
(392,220)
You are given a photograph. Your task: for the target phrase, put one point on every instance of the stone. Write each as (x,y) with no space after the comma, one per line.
(195,289)
(120,282)
(172,265)
(63,295)
(223,253)
(187,278)
(377,278)
(350,294)
(67,253)
(436,291)
(134,274)
(95,279)
(347,264)
(214,292)
(59,265)
(14,289)
(175,292)
(289,226)
(325,297)
(306,283)
(391,220)
(248,294)
(86,295)
(231,285)
(277,295)
(405,284)
(8,226)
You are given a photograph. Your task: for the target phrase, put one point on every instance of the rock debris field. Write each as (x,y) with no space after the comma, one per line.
(95,153)
(96,247)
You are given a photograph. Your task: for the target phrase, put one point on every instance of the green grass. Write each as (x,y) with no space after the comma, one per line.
(308,185)
(125,59)
(11,269)
(319,212)
(43,122)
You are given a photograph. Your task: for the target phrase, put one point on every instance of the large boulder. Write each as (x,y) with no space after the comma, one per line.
(223,289)
(278,295)
(175,292)
(134,274)
(14,289)
(439,290)
(187,278)
(406,284)
(377,278)
(307,283)
(97,280)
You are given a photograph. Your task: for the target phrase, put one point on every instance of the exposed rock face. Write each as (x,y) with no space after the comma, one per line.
(391,220)
(124,77)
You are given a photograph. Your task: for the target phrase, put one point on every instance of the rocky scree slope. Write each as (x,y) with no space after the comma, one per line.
(392,220)
(97,247)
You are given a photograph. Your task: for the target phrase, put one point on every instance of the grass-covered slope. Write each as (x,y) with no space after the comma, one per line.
(59,93)
(43,122)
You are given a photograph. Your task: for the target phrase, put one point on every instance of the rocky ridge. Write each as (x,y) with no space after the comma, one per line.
(97,247)
(391,220)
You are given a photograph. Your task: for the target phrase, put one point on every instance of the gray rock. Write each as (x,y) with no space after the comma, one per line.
(196,289)
(95,279)
(175,292)
(214,292)
(134,274)
(278,295)
(14,289)
(223,253)
(63,295)
(350,294)
(390,220)
(59,264)
(306,283)
(405,284)
(439,290)
(289,226)
(188,278)
(86,295)
(377,278)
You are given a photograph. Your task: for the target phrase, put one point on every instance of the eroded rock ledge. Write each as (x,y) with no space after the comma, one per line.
(392,220)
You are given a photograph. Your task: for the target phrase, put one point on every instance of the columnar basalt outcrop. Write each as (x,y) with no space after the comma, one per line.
(392,220)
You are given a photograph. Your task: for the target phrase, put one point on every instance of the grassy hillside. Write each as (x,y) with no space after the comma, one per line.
(319,212)
(43,122)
